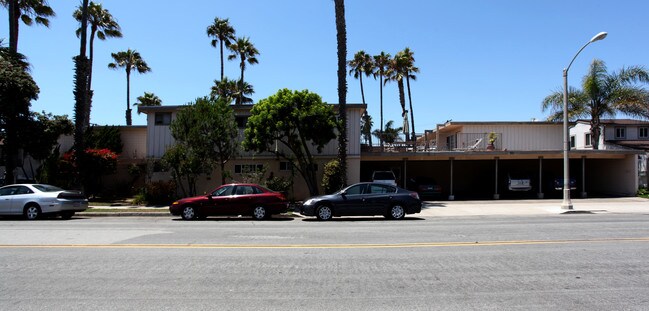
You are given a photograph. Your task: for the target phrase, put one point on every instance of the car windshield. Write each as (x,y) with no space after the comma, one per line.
(47,188)
(383,176)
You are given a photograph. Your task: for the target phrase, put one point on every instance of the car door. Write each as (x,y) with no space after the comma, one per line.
(243,200)
(6,193)
(21,197)
(352,201)
(379,198)
(220,202)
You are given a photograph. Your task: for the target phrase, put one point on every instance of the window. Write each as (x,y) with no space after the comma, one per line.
(285,166)
(643,132)
(620,132)
(223,191)
(243,190)
(382,189)
(587,140)
(357,189)
(162,118)
(248,168)
(572,141)
(241,121)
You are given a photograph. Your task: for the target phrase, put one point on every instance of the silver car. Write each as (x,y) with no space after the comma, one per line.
(35,200)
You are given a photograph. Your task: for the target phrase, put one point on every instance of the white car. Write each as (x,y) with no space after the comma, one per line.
(384,177)
(35,200)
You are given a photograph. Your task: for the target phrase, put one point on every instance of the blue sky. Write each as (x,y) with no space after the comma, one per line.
(479,60)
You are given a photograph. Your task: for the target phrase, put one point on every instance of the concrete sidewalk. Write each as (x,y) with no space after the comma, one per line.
(534,207)
(630,205)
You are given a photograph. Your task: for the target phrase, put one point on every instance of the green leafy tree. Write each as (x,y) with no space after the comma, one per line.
(341,43)
(361,65)
(222,33)
(389,134)
(331,179)
(17,90)
(102,25)
(602,95)
(39,136)
(208,129)
(129,60)
(298,121)
(243,49)
(381,63)
(185,166)
(27,11)
(148,99)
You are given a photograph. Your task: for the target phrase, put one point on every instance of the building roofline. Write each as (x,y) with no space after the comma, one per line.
(172,108)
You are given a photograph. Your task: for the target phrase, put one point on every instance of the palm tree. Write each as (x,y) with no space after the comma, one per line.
(366,128)
(229,90)
(27,11)
(246,52)
(341,43)
(410,70)
(603,95)
(81,98)
(381,62)
(390,134)
(362,64)
(396,72)
(148,99)
(129,60)
(103,25)
(222,32)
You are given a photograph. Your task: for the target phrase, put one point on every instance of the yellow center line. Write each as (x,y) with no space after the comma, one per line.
(326,246)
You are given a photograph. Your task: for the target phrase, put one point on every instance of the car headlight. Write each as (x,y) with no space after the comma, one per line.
(308,202)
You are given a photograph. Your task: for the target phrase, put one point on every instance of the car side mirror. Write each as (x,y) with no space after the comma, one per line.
(343,192)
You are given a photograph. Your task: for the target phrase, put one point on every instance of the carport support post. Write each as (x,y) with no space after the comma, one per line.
(496,195)
(583,178)
(451,197)
(404,182)
(540,194)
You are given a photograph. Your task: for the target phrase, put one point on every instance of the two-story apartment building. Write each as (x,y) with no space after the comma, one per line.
(159,139)
(616,134)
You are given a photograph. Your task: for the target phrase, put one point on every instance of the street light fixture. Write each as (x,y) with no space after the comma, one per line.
(567,204)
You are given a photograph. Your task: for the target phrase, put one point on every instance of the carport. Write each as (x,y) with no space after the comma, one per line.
(482,175)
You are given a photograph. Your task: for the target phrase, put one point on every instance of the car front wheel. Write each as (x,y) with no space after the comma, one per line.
(189,213)
(324,212)
(32,212)
(396,212)
(259,213)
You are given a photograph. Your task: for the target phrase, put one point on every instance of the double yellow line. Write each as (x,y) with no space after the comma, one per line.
(324,246)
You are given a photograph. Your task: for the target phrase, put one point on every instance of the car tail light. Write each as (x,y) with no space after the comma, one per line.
(414,195)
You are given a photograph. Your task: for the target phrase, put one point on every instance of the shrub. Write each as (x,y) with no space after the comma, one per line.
(279,184)
(159,192)
(332,179)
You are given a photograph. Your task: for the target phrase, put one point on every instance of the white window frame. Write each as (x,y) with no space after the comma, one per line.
(620,130)
(646,133)
(587,138)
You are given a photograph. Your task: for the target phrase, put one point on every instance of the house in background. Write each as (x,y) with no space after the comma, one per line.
(616,134)
(159,139)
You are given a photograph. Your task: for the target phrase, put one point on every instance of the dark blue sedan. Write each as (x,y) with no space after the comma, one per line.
(364,199)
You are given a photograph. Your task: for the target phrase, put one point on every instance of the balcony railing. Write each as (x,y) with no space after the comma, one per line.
(427,143)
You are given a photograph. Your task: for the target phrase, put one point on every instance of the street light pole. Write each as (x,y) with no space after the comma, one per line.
(567,204)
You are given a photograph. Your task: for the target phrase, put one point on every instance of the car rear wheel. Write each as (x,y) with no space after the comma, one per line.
(396,212)
(324,212)
(260,213)
(67,215)
(189,213)
(32,212)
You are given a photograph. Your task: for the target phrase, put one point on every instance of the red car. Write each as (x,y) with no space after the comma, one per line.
(232,200)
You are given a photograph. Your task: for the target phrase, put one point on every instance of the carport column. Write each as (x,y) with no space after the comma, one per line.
(405,174)
(540,194)
(496,195)
(451,197)
(583,178)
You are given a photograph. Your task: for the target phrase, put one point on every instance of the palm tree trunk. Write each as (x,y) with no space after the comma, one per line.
(243,65)
(14,15)
(341,38)
(595,132)
(362,92)
(128,97)
(402,101)
(381,124)
(221,60)
(88,107)
(412,114)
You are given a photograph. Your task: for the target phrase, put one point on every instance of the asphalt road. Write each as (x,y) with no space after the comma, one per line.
(569,262)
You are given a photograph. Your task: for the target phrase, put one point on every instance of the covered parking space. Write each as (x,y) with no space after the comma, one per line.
(485,175)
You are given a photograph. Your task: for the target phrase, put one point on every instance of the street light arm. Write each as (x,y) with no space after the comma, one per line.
(597,37)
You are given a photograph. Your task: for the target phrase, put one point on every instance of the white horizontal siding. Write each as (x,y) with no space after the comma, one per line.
(522,137)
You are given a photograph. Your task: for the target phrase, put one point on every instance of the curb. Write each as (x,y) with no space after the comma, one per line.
(156,214)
